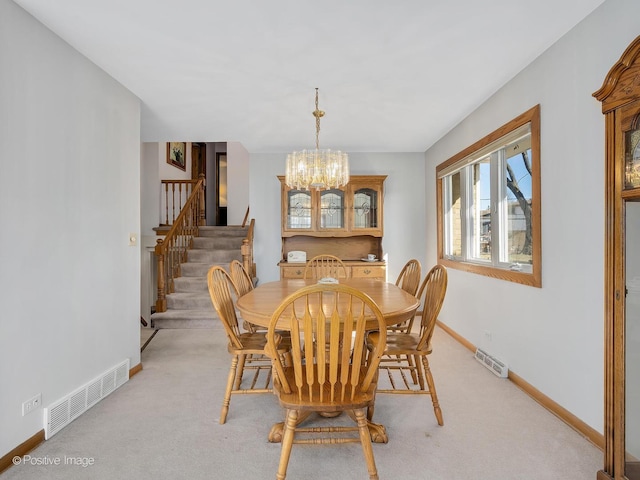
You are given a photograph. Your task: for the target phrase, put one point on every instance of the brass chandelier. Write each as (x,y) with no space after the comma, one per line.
(319,169)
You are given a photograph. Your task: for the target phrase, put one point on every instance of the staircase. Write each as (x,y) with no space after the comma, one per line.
(190,305)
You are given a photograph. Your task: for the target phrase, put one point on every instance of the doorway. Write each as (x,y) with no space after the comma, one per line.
(198,160)
(221,188)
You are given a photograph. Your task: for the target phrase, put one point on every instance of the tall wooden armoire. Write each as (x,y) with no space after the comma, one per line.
(620,97)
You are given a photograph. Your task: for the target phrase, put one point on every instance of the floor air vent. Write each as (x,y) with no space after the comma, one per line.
(496,366)
(67,409)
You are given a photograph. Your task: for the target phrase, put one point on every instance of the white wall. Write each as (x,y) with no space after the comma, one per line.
(551,336)
(69,190)
(150,186)
(237,183)
(150,201)
(404,226)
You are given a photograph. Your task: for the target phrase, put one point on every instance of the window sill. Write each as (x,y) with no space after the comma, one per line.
(531,279)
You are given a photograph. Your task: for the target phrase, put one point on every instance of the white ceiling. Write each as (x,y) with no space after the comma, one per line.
(393,76)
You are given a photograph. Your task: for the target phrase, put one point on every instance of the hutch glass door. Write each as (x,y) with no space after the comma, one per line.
(299,209)
(332,209)
(365,209)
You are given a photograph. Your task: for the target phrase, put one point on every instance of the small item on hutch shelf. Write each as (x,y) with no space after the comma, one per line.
(297,256)
(371,257)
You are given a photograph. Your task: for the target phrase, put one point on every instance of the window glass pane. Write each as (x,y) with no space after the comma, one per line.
(331,209)
(480,221)
(518,192)
(454,205)
(299,214)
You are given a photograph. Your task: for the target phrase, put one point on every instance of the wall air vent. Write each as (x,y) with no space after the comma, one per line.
(496,366)
(64,411)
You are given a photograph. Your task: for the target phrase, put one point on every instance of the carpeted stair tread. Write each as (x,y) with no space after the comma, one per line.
(227,231)
(186,319)
(214,256)
(190,284)
(189,301)
(217,242)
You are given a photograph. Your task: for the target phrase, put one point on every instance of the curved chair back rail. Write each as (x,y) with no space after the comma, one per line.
(322,266)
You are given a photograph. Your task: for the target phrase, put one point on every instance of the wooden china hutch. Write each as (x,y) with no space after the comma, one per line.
(620,97)
(346,222)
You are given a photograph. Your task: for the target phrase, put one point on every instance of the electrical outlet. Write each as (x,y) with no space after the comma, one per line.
(32,404)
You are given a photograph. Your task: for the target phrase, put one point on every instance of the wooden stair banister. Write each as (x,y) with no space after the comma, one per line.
(246,217)
(175,192)
(247,250)
(172,250)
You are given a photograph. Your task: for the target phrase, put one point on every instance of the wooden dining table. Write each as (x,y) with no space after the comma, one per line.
(258,305)
(396,306)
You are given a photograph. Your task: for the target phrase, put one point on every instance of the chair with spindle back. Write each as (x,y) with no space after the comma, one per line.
(408,352)
(243,285)
(241,278)
(330,370)
(241,344)
(409,281)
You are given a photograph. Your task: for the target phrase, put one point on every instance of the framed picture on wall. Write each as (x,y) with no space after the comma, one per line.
(177,154)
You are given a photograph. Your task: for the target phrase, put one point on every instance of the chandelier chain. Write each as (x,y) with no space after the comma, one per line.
(318,114)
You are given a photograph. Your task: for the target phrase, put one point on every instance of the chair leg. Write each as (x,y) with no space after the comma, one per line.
(419,371)
(412,368)
(432,390)
(240,371)
(365,440)
(287,442)
(227,393)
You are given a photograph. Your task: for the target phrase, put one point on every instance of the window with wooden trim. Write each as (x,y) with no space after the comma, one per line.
(489,204)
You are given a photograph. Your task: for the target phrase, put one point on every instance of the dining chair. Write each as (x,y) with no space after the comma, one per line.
(243,285)
(409,281)
(408,352)
(323,266)
(241,344)
(241,278)
(330,371)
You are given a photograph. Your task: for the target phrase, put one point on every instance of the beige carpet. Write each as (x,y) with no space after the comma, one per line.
(163,424)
